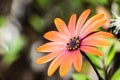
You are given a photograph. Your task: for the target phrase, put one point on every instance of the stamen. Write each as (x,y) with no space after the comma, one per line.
(76,47)
(67,43)
(73,44)
(77,37)
(77,41)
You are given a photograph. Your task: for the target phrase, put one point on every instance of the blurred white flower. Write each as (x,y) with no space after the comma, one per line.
(8,33)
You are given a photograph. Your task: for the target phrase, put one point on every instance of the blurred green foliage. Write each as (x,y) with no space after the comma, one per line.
(2,20)
(96,60)
(80,76)
(15,48)
(116,75)
(111,55)
(36,22)
(98,2)
(42,3)
(76,3)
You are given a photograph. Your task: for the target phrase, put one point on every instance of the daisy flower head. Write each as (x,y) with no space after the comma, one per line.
(66,44)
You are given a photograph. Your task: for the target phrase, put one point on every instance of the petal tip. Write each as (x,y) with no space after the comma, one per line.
(74,14)
(88,10)
(62,75)
(49,73)
(38,49)
(101,15)
(100,54)
(103,21)
(37,61)
(56,20)
(112,36)
(78,70)
(45,35)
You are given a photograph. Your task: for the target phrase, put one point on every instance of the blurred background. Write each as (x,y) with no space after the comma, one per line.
(22,25)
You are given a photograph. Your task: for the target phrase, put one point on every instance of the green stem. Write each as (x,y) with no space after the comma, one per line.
(99,77)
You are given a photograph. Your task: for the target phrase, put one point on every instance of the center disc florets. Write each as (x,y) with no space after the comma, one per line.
(73,44)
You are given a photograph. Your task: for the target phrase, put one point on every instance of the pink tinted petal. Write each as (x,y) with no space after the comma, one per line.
(91,20)
(95,42)
(91,50)
(49,57)
(71,24)
(92,27)
(81,20)
(51,46)
(77,60)
(62,27)
(55,36)
(66,64)
(100,34)
(56,63)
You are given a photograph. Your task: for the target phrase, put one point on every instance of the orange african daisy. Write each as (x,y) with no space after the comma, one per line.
(68,42)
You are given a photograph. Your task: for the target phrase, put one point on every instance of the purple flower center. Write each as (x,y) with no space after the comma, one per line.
(73,44)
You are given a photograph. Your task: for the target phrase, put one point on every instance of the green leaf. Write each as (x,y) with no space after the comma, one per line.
(78,76)
(116,75)
(15,48)
(101,72)
(111,55)
(96,60)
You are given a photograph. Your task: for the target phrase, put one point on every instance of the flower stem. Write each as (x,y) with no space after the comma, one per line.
(99,77)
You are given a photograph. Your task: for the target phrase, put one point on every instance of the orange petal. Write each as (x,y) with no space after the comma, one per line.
(91,20)
(62,27)
(66,64)
(72,23)
(77,60)
(97,39)
(91,50)
(95,42)
(51,46)
(103,34)
(55,36)
(55,64)
(48,57)
(81,20)
(92,27)
(100,34)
